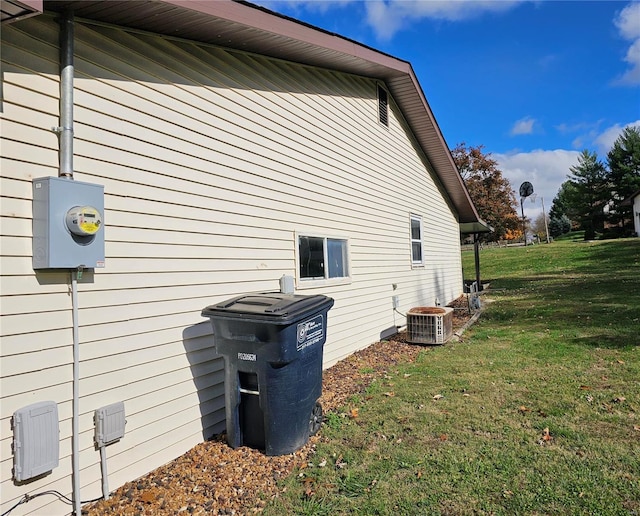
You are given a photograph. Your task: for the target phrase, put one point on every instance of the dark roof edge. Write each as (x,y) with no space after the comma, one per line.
(16,10)
(475,227)
(261,18)
(629,200)
(226,23)
(445,146)
(314,27)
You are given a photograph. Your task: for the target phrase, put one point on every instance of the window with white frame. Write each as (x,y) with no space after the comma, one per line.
(416,240)
(322,258)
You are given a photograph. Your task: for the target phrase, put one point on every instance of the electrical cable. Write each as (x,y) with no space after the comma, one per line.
(75,418)
(65,499)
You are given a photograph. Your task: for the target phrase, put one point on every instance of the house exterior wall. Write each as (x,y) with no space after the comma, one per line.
(636,214)
(212,162)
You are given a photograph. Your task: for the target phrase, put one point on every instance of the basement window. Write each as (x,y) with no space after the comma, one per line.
(322,260)
(383,106)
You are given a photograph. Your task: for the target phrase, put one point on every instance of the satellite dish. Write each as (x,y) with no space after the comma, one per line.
(526,189)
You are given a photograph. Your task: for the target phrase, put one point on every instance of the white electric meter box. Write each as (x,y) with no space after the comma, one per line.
(68,226)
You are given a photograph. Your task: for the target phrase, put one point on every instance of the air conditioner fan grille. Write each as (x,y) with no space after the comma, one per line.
(429,325)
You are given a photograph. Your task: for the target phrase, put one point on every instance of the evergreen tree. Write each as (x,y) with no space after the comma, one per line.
(624,170)
(589,193)
(561,204)
(559,226)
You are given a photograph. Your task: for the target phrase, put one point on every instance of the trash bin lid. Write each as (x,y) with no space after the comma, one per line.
(276,308)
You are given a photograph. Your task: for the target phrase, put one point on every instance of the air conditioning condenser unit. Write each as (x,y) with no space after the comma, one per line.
(429,324)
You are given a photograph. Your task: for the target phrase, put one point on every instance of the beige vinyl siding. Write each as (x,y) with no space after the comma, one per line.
(211,161)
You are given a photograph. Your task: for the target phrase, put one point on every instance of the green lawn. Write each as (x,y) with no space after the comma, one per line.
(535,411)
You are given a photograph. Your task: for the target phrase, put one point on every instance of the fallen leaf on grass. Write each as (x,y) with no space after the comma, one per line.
(443,437)
(523,409)
(353,413)
(390,394)
(438,397)
(619,399)
(585,387)
(636,428)
(340,463)
(308,489)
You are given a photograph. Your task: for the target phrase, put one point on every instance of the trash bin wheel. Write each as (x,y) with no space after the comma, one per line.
(316,419)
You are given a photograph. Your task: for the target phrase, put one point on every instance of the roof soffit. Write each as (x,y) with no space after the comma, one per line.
(15,10)
(243,26)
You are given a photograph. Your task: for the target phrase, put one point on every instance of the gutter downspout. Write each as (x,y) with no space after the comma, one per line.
(65,133)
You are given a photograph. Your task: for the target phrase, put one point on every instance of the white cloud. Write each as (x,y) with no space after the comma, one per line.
(546,170)
(590,135)
(387,17)
(628,23)
(295,8)
(523,126)
(632,76)
(605,140)
(578,143)
(579,127)
(390,16)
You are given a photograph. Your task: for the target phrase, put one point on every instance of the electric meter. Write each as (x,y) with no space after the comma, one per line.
(68,224)
(84,220)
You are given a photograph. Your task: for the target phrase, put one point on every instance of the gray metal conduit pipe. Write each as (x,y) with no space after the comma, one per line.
(65,135)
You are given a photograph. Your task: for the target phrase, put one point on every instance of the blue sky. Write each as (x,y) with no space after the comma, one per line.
(534,82)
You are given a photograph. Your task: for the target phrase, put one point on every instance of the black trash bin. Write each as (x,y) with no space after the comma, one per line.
(272,346)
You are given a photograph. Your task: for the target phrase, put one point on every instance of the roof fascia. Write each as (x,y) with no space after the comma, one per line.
(295,41)
(268,21)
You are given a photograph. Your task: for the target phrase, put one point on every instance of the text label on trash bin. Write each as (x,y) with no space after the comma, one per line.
(250,357)
(310,332)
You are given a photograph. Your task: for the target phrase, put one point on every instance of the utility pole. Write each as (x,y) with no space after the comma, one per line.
(544,216)
(524,224)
